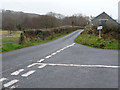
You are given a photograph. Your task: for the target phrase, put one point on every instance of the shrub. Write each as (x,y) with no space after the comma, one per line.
(108,31)
(45,34)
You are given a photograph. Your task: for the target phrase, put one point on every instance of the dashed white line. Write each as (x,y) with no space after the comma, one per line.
(58,51)
(67,46)
(12,87)
(32,65)
(17,72)
(62,49)
(42,66)
(48,56)
(10,83)
(73,44)
(77,65)
(28,73)
(41,60)
(3,79)
(53,54)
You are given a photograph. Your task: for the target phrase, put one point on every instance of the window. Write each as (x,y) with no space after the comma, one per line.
(103,20)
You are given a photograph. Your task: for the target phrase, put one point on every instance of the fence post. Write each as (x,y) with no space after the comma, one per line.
(21,38)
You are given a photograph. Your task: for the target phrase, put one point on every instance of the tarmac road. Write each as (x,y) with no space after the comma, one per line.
(60,64)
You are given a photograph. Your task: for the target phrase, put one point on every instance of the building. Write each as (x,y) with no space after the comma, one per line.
(103,18)
(119,11)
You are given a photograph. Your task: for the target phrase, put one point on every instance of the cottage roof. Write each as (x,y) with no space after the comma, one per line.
(107,15)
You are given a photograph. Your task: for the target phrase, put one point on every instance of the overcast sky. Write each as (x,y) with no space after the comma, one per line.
(65,7)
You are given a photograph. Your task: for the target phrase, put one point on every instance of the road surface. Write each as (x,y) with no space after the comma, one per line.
(60,64)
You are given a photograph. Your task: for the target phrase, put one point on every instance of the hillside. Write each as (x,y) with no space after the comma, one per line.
(12,20)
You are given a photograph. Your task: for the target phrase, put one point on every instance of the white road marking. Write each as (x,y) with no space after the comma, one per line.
(41,60)
(17,72)
(10,83)
(72,45)
(58,51)
(32,65)
(42,66)
(77,65)
(48,56)
(64,48)
(67,46)
(53,54)
(12,87)
(3,79)
(28,73)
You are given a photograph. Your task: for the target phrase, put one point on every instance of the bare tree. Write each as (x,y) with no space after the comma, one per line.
(19,21)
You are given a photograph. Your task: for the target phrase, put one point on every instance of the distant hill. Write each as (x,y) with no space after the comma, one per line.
(18,13)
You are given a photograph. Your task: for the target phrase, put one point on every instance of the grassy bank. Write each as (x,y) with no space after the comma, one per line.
(13,46)
(93,41)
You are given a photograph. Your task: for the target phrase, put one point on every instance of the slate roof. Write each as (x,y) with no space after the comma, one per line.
(107,15)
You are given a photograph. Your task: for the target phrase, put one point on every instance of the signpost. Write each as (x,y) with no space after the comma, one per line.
(99,28)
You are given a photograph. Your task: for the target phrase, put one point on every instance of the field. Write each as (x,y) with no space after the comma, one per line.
(8,38)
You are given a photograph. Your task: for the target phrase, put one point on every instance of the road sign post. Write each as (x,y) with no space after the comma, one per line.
(99,34)
(99,28)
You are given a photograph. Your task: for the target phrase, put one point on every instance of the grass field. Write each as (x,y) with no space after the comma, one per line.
(93,41)
(7,38)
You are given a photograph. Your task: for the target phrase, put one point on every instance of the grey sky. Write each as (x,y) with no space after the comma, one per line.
(66,7)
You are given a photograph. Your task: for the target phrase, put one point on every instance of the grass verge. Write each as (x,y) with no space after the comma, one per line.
(93,41)
(14,46)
